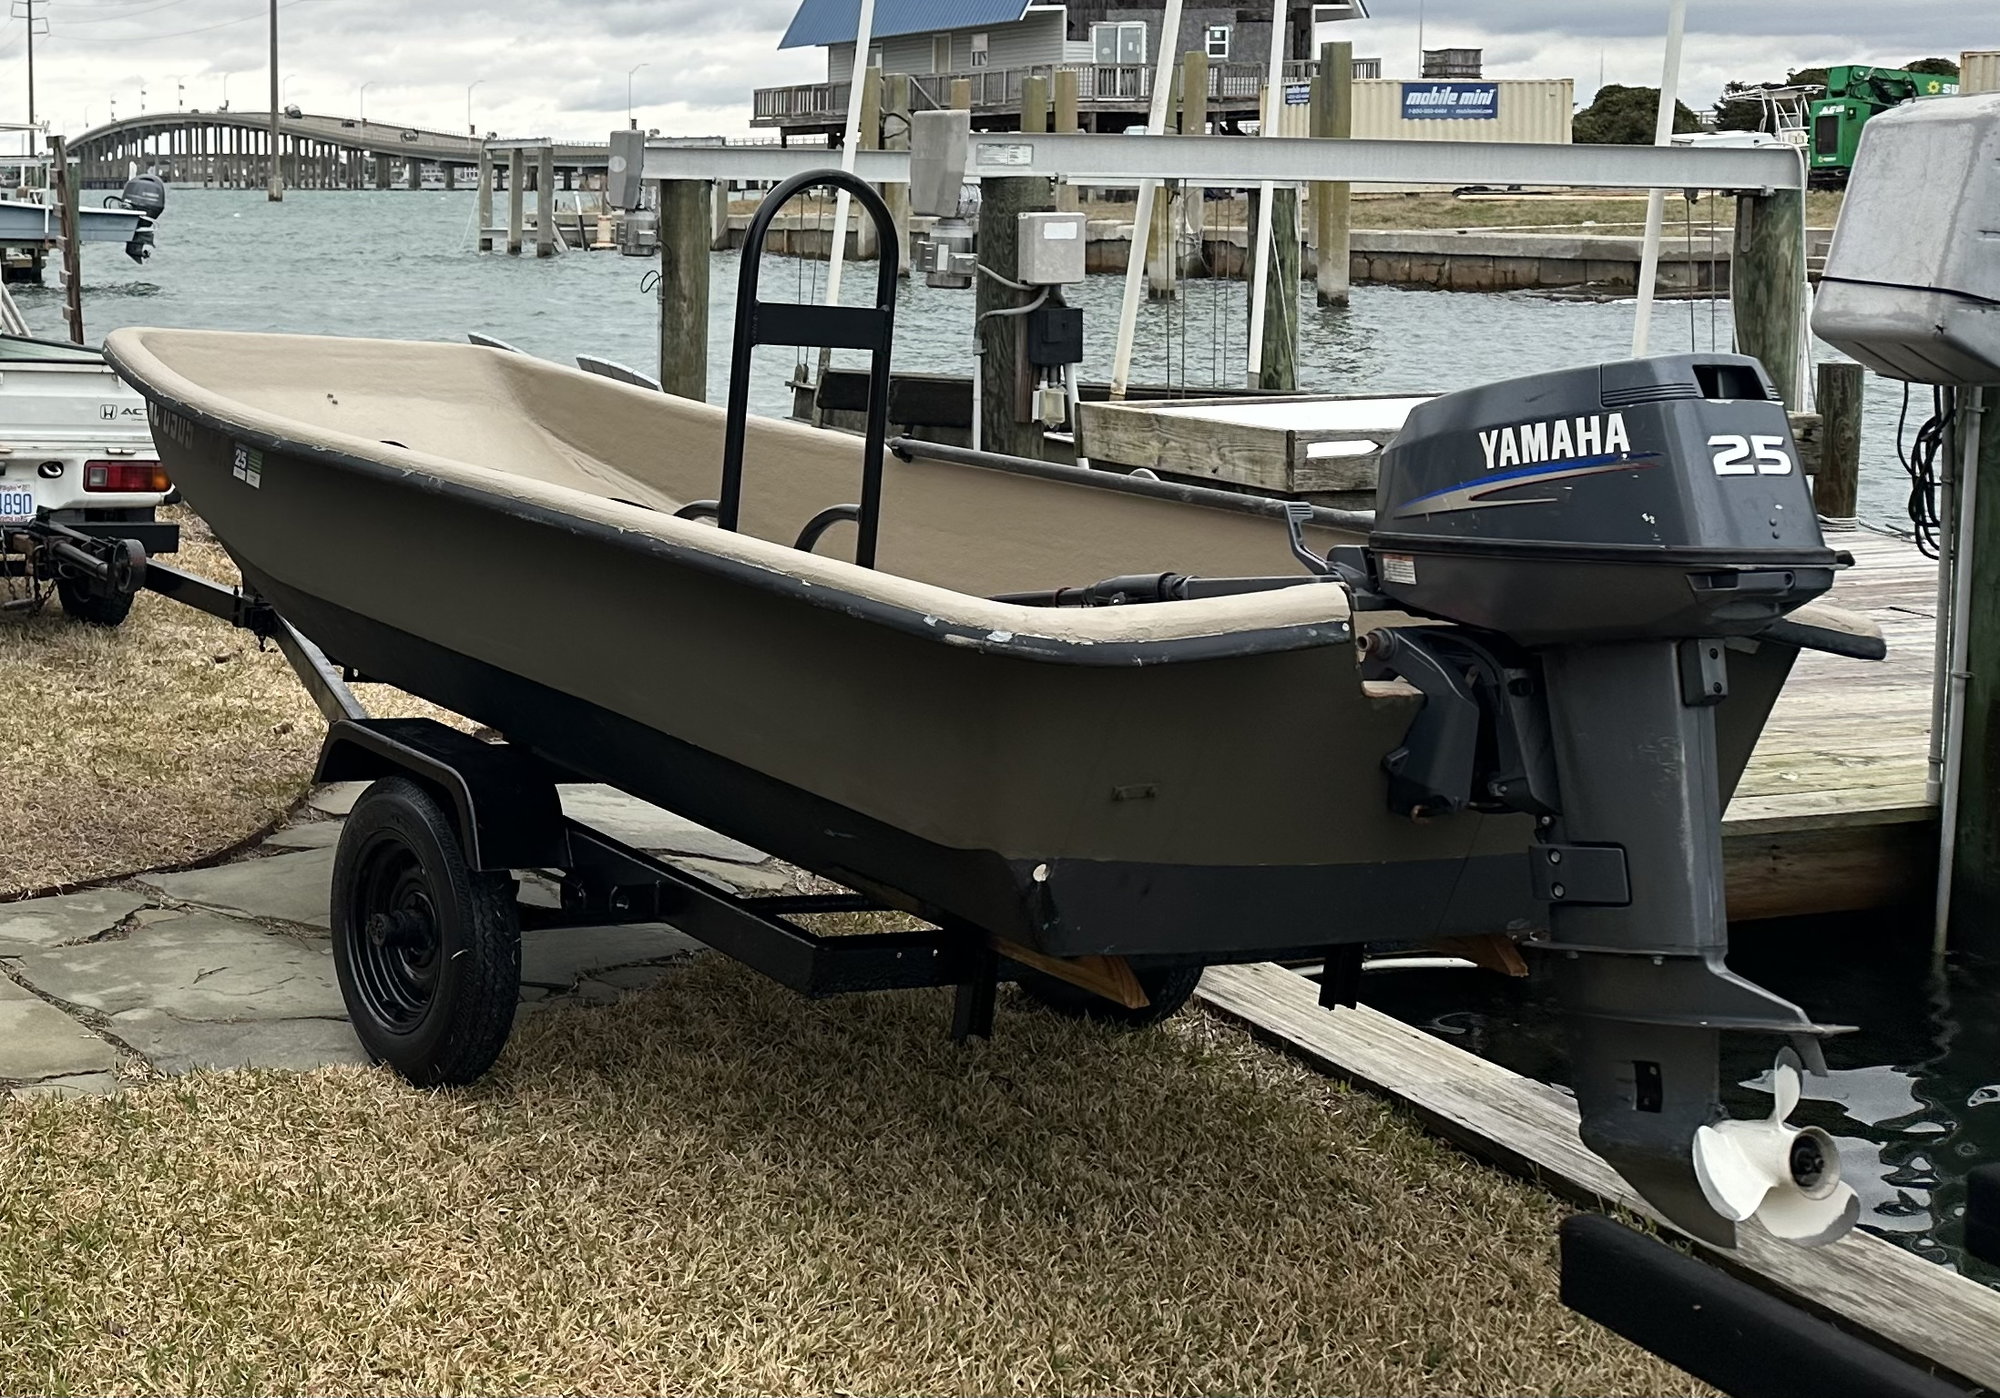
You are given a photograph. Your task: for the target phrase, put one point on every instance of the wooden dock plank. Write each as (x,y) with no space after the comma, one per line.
(1882,1292)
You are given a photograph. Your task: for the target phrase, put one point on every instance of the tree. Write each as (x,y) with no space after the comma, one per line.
(1625,116)
(1943,67)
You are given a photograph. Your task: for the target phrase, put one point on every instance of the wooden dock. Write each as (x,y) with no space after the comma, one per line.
(1831,815)
(1888,1295)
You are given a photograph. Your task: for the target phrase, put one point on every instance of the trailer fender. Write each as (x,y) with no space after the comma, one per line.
(503,801)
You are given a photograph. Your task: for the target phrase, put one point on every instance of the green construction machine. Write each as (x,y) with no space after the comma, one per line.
(1854,94)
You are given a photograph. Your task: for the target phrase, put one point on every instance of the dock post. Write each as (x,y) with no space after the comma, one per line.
(1002,366)
(1975,832)
(1162,245)
(1767,285)
(517,179)
(867,137)
(1034,104)
(1280,364)
(545,201)
(1064,120)
(685,232)
(1837,486)
(1184,210)
(961,94)
(1332,116)
(896,136)
(487,201)
(718,217)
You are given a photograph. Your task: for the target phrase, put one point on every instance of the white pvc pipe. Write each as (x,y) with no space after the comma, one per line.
(857,76)
(1972,412)
(1142,213)
(1267,232)
(1656,200)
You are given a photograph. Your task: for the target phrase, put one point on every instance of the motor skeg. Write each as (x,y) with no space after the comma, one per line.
(1644,498)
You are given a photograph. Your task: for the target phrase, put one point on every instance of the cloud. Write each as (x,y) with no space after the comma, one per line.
(562,70)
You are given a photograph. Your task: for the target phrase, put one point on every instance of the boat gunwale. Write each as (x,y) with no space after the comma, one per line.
(1227,644)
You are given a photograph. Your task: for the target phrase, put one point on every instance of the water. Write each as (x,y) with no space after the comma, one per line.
(1920,1085)
(401,265)
(1913,1096)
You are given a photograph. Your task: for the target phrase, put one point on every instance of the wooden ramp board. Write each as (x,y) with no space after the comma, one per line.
(1872,1287)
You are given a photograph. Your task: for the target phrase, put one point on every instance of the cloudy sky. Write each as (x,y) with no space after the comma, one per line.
(561,68)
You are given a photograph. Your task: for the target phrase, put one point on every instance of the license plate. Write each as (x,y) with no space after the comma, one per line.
(17,504)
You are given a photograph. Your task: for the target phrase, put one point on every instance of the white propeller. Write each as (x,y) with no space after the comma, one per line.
(1786,1177)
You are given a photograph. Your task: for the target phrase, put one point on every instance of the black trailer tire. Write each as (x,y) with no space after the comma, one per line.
(428,951)
(1167,990)
(93,608)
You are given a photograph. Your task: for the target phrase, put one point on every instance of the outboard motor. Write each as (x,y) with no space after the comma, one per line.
(146,194)
(1602,536)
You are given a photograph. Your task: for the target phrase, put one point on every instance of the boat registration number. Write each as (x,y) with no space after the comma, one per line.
(17,504)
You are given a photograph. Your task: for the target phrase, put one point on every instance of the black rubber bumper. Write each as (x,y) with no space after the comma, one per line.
(1724,1331)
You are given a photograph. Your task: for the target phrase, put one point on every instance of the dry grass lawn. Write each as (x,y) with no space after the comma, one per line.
(720,1188)
(159,742)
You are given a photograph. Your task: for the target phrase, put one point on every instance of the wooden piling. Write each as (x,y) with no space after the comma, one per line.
(517,180)
(1280,363)
(896,136)
(868,137)
(1003,368)
(1063,117)
(1163,280)
(485,199)
(685,232)
(68,198)
(961,94)
(545,202)
(1836,487)
(1034,104)
(1332,116)
(718,217)
(1975,883)
(1767,284)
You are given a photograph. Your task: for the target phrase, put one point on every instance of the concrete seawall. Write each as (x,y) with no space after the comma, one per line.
(1438,259)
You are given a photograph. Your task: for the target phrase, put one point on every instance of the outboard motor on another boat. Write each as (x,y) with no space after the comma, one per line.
(1604,537)
(145,194)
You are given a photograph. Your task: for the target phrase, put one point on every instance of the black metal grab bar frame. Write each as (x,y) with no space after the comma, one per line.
(829,327)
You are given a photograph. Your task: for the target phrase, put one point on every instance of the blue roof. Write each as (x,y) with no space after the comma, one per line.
(834,21)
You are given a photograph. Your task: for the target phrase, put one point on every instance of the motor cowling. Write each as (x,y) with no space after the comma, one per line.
(1644,498)
(145,193)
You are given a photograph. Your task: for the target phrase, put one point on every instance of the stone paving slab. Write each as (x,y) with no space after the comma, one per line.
(176,1045)
(318,834)
(201,966)
(336,798)
(633,822)
(73,917)
(37,1040)
(282,887)
(558,957)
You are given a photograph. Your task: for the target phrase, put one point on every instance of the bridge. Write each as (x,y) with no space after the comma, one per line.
(233,150)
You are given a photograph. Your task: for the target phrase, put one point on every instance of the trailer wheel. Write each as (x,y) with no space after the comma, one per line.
(428,951)
(93,608)
(1166,987)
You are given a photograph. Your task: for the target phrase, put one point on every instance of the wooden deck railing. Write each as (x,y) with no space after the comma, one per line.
(1116,86)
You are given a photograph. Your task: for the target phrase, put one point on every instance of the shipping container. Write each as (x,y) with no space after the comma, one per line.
(1496,109)
(1979,71)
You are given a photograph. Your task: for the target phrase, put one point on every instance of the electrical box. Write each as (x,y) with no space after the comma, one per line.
(1050,250)
(939,142)
(1055,336)
(1912,283)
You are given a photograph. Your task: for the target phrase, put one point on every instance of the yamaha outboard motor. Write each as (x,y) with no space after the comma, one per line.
(146,194)
(1602,537)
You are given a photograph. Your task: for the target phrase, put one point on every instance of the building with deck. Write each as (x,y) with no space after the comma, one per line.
(991,45)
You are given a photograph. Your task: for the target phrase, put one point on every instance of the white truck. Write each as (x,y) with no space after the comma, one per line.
(80,483)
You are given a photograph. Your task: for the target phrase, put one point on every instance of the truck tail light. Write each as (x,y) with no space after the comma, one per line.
(126,477)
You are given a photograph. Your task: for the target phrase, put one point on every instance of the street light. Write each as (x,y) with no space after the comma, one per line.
(629,119)
(142,99)
(225,92)
(364,100)
(470,125)
(180,93)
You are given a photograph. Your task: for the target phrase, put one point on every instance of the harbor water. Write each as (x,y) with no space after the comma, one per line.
(1915,1095)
